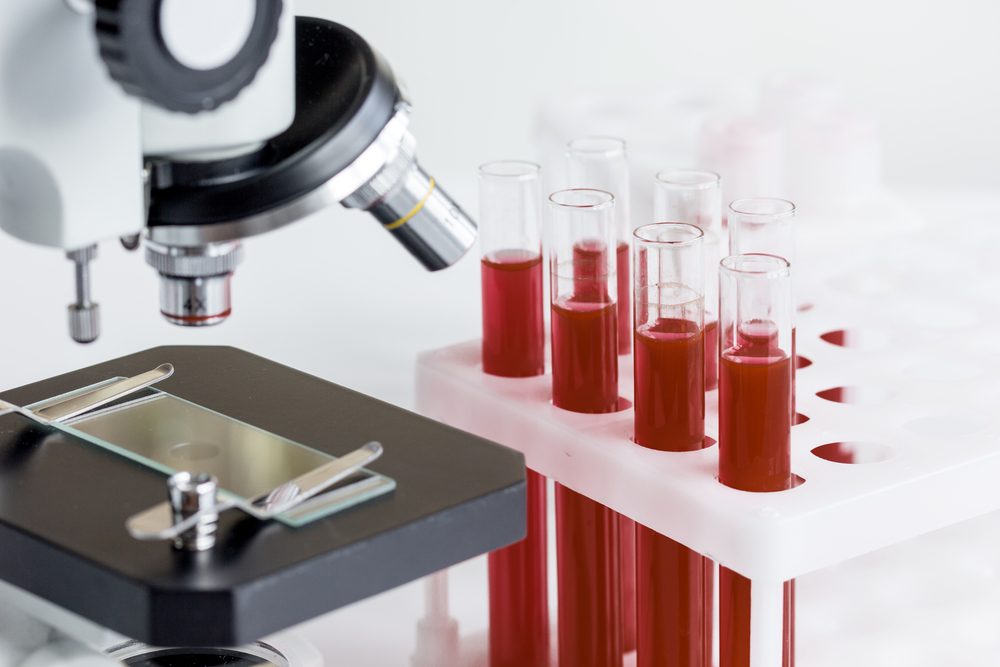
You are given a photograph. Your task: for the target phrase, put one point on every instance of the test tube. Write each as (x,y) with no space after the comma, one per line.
(510,239)
(510,217)
(767,225)
(755,416)
(674,595)
(601,162)
(581,240)
(695,197)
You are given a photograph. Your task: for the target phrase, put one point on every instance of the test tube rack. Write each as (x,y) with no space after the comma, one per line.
(914,389)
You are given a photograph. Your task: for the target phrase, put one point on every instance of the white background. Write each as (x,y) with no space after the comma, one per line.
(928,69)
(336,297)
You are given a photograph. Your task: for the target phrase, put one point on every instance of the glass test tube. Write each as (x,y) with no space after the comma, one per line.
(674,593)
(767,225)
(695,197)
(510,239)
(510,220)
(581,243)
(601,162)
(755,416)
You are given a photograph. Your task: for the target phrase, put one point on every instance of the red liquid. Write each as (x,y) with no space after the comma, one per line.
(669,367)
(585,379)
(675,587)
(627,526)
(513,329)
(589,583)
(624,274)
(584,356)
(711,355)
(626,542)
(672,607)
(514,346)
(755,421)
(519,601)
(734,621)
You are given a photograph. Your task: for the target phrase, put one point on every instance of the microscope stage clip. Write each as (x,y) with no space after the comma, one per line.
(65,407)
(165,522)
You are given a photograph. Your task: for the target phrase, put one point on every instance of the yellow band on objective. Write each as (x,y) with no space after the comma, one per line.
(416,209)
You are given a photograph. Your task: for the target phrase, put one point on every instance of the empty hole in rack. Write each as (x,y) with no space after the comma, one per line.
(799,418)
(802,362)
(853,452)
(854,395)
(805,307)
(945,426)
(856,339)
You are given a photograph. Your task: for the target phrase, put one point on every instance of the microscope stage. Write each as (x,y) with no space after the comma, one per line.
(64,502)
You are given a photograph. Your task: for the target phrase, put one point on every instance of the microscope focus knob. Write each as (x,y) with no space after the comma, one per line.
(186,55)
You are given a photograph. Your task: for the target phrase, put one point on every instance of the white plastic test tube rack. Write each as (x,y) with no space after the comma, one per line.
(922,308)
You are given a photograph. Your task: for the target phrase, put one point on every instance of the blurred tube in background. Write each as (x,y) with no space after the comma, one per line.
(601,162)
(695,197)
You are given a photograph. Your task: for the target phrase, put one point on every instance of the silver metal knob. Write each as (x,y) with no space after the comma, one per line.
(195,281)
(190,494)
(84,314)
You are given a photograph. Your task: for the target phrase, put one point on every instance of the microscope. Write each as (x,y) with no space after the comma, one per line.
(186,126)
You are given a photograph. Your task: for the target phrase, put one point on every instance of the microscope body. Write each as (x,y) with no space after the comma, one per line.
(193,125)
(72,142)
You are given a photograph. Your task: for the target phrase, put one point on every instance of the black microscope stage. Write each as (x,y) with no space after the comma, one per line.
(64,502)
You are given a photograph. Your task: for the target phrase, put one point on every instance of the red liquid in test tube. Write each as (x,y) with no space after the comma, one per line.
(519,614)
(674,583)
(513,327)
(514,346)
(755,420)
(584,356)
(585,379)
